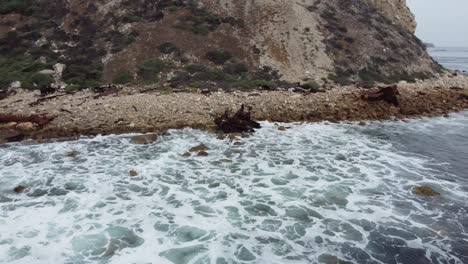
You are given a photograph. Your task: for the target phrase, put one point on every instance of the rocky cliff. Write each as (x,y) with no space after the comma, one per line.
(202,43)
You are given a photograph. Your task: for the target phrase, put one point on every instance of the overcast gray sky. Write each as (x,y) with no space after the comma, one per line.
(442,22)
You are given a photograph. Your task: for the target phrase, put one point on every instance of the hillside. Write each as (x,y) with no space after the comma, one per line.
(203,43)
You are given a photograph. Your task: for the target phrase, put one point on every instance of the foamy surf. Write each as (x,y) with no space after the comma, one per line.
(315,193)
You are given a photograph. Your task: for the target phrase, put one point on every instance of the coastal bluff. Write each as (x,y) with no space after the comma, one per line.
(204,43)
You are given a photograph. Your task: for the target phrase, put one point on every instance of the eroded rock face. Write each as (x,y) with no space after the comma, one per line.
(341,40)
(397,11)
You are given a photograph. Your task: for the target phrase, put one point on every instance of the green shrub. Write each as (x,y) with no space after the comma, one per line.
(72,88)
(41,80)
(312,85)
(339,79)
(123,78)
(18,67)
(168,48)
(150,69)
(236,69)
(218,57)
(83,75)
(194,68)
(16,6)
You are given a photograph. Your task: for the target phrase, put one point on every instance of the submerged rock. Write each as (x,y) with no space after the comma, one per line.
(203,154)
(201,147)
(72,154)
(20,189)
(425,191)
(133,173)
(144,139)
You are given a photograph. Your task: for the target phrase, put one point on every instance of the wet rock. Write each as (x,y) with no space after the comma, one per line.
(72,154)
(362,123)
(20,189)
(133,173)
(282,128)
(201,147)
(425,191)
(12,137)
(187,154)
(202,154)
(144,139)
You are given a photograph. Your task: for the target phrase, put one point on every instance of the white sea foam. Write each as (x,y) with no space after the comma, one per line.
(308,194)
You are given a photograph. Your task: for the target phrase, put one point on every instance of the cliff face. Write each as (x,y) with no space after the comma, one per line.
(396,11)
(227,43)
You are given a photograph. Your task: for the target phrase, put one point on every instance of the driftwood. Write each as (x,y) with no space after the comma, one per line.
(387,94)
(240,122)
(41,120)
(43,99)
(106,90)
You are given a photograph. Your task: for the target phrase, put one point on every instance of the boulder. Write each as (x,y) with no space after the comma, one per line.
(202,153)
(28,126)
(72,154)
(133,173)
(15,85)
(425,191)
(201,147)
(20,189)
(144,139)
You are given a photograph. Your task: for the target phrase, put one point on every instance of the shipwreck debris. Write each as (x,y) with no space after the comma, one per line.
(41,120)
(240,122)
(106,90)
(388,94)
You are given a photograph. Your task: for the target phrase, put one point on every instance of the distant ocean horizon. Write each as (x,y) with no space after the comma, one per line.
(451,58)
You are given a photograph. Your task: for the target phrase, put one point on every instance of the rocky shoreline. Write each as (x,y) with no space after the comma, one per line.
(131,110)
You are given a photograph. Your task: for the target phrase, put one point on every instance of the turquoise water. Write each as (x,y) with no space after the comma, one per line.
(315,193)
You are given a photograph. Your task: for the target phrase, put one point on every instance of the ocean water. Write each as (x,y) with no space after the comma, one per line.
(316,193)
(451,58)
